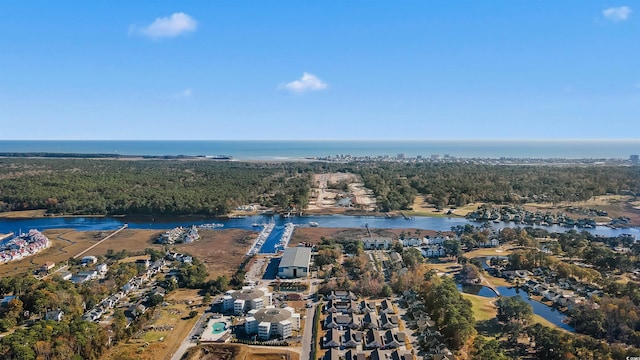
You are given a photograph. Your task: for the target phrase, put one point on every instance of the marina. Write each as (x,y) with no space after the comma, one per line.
(286,237)
(267,228)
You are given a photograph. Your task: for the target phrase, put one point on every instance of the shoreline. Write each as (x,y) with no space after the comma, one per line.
(41,214)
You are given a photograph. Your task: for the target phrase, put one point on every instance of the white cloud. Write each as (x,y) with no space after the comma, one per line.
(184,94)
(308,82)
(617,14)
(174,25)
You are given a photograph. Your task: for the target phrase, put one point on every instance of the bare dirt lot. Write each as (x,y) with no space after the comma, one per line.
(239,352)
(328,190)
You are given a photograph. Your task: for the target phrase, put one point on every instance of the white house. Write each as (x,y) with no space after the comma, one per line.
(412,242)
(377,243)
(102,269)
(246,299)
(433,251)
(272,322)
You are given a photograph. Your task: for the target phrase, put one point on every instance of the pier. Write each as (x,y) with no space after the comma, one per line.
(286,236)
(262,237)
(101,241)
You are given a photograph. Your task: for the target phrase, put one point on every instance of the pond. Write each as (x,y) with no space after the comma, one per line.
(548,313)
(479,290)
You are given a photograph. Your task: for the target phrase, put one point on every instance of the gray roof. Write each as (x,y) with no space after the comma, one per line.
(247,294)
(296,257)
(272,315)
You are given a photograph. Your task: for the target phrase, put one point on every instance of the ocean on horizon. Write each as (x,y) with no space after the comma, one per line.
(283,150)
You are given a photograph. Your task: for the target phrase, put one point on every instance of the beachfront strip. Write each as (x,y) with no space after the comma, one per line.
(23,245)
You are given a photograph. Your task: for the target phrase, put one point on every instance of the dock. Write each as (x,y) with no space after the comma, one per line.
(261,238)
(286,236)
(101,241)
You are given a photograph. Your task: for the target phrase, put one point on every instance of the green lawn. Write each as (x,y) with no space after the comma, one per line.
(481,306)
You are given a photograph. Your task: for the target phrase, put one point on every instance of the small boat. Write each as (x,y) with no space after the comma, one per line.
(313,224)
(255,225)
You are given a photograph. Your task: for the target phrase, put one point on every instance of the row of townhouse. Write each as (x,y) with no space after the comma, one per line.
(377,354)
(368,339)
(559,295)
(357,307)
(133,284)
(369,320)
(360,326)
(431,340)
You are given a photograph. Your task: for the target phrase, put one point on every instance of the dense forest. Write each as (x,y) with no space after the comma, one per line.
(112,187)
(80,186)
(395,185)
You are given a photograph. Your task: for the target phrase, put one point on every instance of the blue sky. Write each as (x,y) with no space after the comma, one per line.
(279,69)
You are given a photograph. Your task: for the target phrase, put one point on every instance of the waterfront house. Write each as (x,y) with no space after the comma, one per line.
(413,242)
(438,240)
(377,243)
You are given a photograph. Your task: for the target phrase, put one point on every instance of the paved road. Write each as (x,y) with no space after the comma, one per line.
(308,332)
